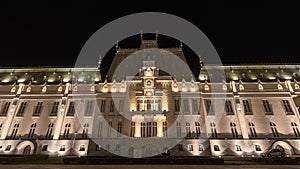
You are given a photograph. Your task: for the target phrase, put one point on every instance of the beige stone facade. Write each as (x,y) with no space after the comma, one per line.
(67,111)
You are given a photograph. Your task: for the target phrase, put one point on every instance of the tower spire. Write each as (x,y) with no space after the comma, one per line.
(181,45)
(141,34)
(99,61)
(117,45)
(201,62)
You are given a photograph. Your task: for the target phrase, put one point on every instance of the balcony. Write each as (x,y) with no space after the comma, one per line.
(147,112)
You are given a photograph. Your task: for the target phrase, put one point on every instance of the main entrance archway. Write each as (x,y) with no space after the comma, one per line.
(285,146)
(25,148)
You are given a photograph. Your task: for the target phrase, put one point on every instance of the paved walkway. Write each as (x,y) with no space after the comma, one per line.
(149,166)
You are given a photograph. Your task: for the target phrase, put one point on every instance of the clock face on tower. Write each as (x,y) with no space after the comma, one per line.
(148,83)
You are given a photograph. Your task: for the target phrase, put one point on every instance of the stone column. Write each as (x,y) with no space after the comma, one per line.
(137,132)
(60,119)
(288,84)
(241,118)
(159,119)
(138,120)
(61,113)
(9,118)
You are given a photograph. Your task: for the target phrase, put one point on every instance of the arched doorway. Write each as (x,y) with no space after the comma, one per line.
(130,152)
(149,150)
(25,148)
(283,146)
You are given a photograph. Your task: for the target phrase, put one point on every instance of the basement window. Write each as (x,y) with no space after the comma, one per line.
(44,148)
(200,147)
(216,148)
(62,148)
(190,147)
(258,148)
(8,147)
(238,148)
(82,148)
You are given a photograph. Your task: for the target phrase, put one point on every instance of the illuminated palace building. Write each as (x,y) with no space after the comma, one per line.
(57,111)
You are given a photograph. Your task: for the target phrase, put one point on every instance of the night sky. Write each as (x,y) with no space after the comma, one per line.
(52,35)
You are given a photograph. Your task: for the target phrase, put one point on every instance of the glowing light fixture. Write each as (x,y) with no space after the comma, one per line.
(6,80)
(21,80)
(67,79)
(50,80)
(206,87)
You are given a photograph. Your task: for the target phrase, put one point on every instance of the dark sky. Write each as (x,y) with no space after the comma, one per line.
(47,34)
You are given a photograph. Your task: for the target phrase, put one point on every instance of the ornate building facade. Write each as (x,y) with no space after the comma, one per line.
(74,111)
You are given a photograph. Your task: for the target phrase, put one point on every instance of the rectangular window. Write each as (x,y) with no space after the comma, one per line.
(121,106)
(180,147)
(102,107)
(216,148)
(198,129)
(15,130)
(118,147)
(159,105)
(82,148)
(228,108)
(54,109)
(177,105)
(37,109)
(238,148)
(4,109)
(120,126)
(195,106)
(8,147)
(49,130)
(190,147)
(247,107)
(71,110)
(149,129)
(143,129)
(209,107)
(213,130)
(287,107)
(109,129)
(178,129)
(22,109)
(62,148)
(100,129)
(98,147)
(188,130)
(112,106)
(186,105)
(107,147)
(165,129)
(44,147)
(258,148)
(154,128)
(132,129)
(200,147)
(267,107)
(89,108)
